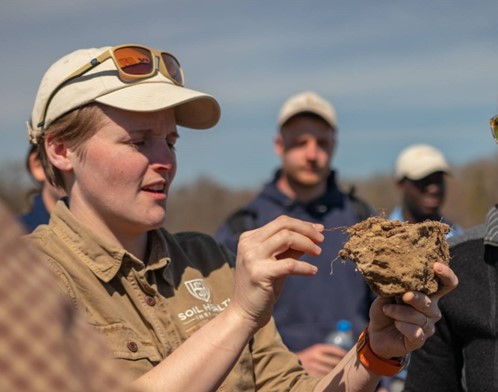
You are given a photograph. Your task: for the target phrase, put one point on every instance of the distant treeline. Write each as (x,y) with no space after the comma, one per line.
(204,204)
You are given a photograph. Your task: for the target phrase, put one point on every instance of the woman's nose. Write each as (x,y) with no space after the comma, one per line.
(163,157)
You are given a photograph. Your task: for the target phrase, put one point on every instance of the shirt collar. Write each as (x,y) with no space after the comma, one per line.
(103,258)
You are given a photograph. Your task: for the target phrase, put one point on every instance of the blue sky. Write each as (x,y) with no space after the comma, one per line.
(397,72)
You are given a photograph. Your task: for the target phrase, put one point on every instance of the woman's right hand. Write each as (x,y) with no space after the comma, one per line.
(265,257)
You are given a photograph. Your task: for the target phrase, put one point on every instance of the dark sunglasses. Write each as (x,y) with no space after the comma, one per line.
(493,123)
(132,62)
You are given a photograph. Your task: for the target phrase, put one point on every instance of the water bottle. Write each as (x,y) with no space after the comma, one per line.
(342,336)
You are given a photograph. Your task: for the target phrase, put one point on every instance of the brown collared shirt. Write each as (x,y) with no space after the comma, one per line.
(146,310)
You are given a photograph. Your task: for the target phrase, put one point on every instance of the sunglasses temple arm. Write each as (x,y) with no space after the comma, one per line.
(76,74)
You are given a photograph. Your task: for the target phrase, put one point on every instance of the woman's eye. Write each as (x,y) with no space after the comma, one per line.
(172,143)
(137,143)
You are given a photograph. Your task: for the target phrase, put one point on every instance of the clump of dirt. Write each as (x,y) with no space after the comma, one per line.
(395,257)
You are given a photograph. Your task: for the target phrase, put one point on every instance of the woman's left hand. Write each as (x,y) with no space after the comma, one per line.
(396,329)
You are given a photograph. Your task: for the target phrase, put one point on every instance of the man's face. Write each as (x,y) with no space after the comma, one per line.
(424,198)
(305,145)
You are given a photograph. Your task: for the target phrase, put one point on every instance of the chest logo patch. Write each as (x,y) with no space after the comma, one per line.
(198,289)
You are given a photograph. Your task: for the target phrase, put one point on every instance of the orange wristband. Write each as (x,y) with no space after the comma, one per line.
(380,366)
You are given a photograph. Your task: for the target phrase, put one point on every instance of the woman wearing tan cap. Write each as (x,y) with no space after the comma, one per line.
(172,308)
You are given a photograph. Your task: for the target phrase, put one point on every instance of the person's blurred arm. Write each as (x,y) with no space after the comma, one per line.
(436,366)
(320,358)
(46,345)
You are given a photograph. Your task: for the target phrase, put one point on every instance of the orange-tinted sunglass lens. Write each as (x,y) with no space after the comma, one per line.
(134,60)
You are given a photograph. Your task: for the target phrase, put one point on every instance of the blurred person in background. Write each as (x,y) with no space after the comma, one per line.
(462,354)
(43,198)
(46,345)
(305,187)
(420,175)
(105,120)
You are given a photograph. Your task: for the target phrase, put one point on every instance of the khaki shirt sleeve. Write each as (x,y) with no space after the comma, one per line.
(275,367)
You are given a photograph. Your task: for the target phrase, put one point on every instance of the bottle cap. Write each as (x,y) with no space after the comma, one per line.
(344,325)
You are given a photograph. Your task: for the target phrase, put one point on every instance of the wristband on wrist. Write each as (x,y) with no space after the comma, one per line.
(377,365)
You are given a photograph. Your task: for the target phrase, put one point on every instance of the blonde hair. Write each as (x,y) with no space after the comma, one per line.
(74,129)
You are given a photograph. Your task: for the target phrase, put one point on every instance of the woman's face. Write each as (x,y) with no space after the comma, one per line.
(120,181)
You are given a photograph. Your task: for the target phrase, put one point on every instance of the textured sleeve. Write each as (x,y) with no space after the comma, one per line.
(434,367)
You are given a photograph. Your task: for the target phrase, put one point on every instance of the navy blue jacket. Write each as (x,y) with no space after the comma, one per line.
(38,215)
(309,307)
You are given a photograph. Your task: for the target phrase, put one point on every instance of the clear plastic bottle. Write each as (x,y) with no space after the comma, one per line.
(342,336)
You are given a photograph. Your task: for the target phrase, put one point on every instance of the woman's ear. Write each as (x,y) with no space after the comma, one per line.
(58,153)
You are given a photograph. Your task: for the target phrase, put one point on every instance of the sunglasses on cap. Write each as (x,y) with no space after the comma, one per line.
(132,62)
(494,127)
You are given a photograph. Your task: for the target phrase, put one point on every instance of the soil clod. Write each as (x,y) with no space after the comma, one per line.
(395,257)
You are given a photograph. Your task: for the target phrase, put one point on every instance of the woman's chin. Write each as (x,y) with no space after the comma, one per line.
(155,222)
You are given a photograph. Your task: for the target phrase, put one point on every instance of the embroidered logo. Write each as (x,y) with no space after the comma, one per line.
(198,289)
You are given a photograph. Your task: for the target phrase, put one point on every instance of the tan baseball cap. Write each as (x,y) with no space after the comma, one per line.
(307,101)
(419,161)
(193,109)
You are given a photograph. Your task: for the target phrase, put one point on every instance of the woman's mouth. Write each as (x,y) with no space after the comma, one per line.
(159,188)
